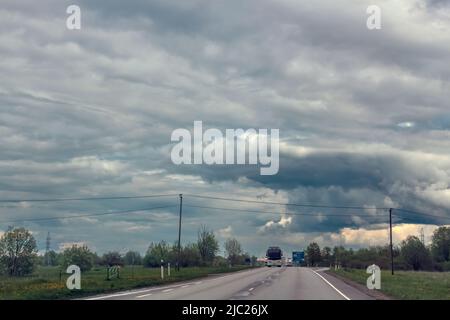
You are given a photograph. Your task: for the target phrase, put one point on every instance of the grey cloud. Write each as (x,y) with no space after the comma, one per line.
(76,105)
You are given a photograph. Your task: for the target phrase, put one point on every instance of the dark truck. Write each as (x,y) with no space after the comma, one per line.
(274,257)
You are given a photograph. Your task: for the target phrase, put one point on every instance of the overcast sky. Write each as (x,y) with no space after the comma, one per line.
(364,117)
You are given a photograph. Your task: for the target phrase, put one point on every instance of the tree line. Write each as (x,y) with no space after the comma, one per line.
(19,254)
(411,254)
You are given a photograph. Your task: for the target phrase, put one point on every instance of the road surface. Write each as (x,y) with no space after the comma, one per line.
(287,283)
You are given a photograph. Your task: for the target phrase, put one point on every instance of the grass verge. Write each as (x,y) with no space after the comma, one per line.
(408,285)
(46,282)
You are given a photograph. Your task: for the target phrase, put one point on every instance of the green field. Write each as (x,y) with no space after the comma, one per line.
(45,283)
(412,285)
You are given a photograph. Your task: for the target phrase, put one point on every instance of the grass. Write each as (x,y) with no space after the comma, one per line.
(409,285)
(45,283)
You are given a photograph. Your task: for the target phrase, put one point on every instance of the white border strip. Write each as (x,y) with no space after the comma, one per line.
(128,293)
(156,288)
(337,290)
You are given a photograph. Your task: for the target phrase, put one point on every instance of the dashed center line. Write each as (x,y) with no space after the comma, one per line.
(251,289)
(167,290)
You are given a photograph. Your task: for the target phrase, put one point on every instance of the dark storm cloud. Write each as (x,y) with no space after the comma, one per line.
(438,2)
(346,179)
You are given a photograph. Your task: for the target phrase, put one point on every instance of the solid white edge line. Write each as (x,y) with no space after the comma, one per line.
(128,293)
(156,288)
(337,290)
(144,295)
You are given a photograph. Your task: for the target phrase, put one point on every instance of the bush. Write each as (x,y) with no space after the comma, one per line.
(112,258)
(442,266)
(80,256)
(415,254)
(157,252)
(133,258)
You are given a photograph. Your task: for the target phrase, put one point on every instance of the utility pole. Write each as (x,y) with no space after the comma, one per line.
(179,233)
(390,240)
(47,249)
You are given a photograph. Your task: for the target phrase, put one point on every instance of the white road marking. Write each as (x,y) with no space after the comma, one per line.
(167,290)
(135,292)
(336,289)
(251,289)
(144,295)
(153,289)
(185,286)
(117,295)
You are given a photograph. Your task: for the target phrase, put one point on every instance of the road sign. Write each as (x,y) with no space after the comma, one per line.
(298,256)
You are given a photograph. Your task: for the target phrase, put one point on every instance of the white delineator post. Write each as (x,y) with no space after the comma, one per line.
(162,270)
(168,269)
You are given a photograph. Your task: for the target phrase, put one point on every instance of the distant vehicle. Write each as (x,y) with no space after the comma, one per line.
(289,262)
(274,257)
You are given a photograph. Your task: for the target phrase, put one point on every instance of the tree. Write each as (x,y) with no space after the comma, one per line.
(336,256)
(133,258)
(207,245)
(234,251)
(80,256)
(326,256)
(414,253)
(50,258)
(313,256)
(190,256)
(112,258)
(18,252)
(440,244)
(220,261)
(157,252)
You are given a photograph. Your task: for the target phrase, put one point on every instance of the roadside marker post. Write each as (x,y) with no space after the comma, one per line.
(168,269)
(162,270)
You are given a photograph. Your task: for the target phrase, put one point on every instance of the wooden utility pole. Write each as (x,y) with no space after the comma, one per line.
(390,240)
(179,233)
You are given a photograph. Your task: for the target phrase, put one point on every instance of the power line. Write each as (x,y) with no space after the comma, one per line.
(87,199)
(420,213)
(320,205)
(289,204)
(87,215)
(284,213)
(226,199)
(417,220)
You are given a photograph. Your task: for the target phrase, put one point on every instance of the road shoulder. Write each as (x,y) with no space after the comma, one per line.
(171,285)
(363,290)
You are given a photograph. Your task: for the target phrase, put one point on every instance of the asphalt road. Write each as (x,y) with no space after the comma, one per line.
(290,283)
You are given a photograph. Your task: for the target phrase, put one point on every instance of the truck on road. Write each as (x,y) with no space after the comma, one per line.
(274,257)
